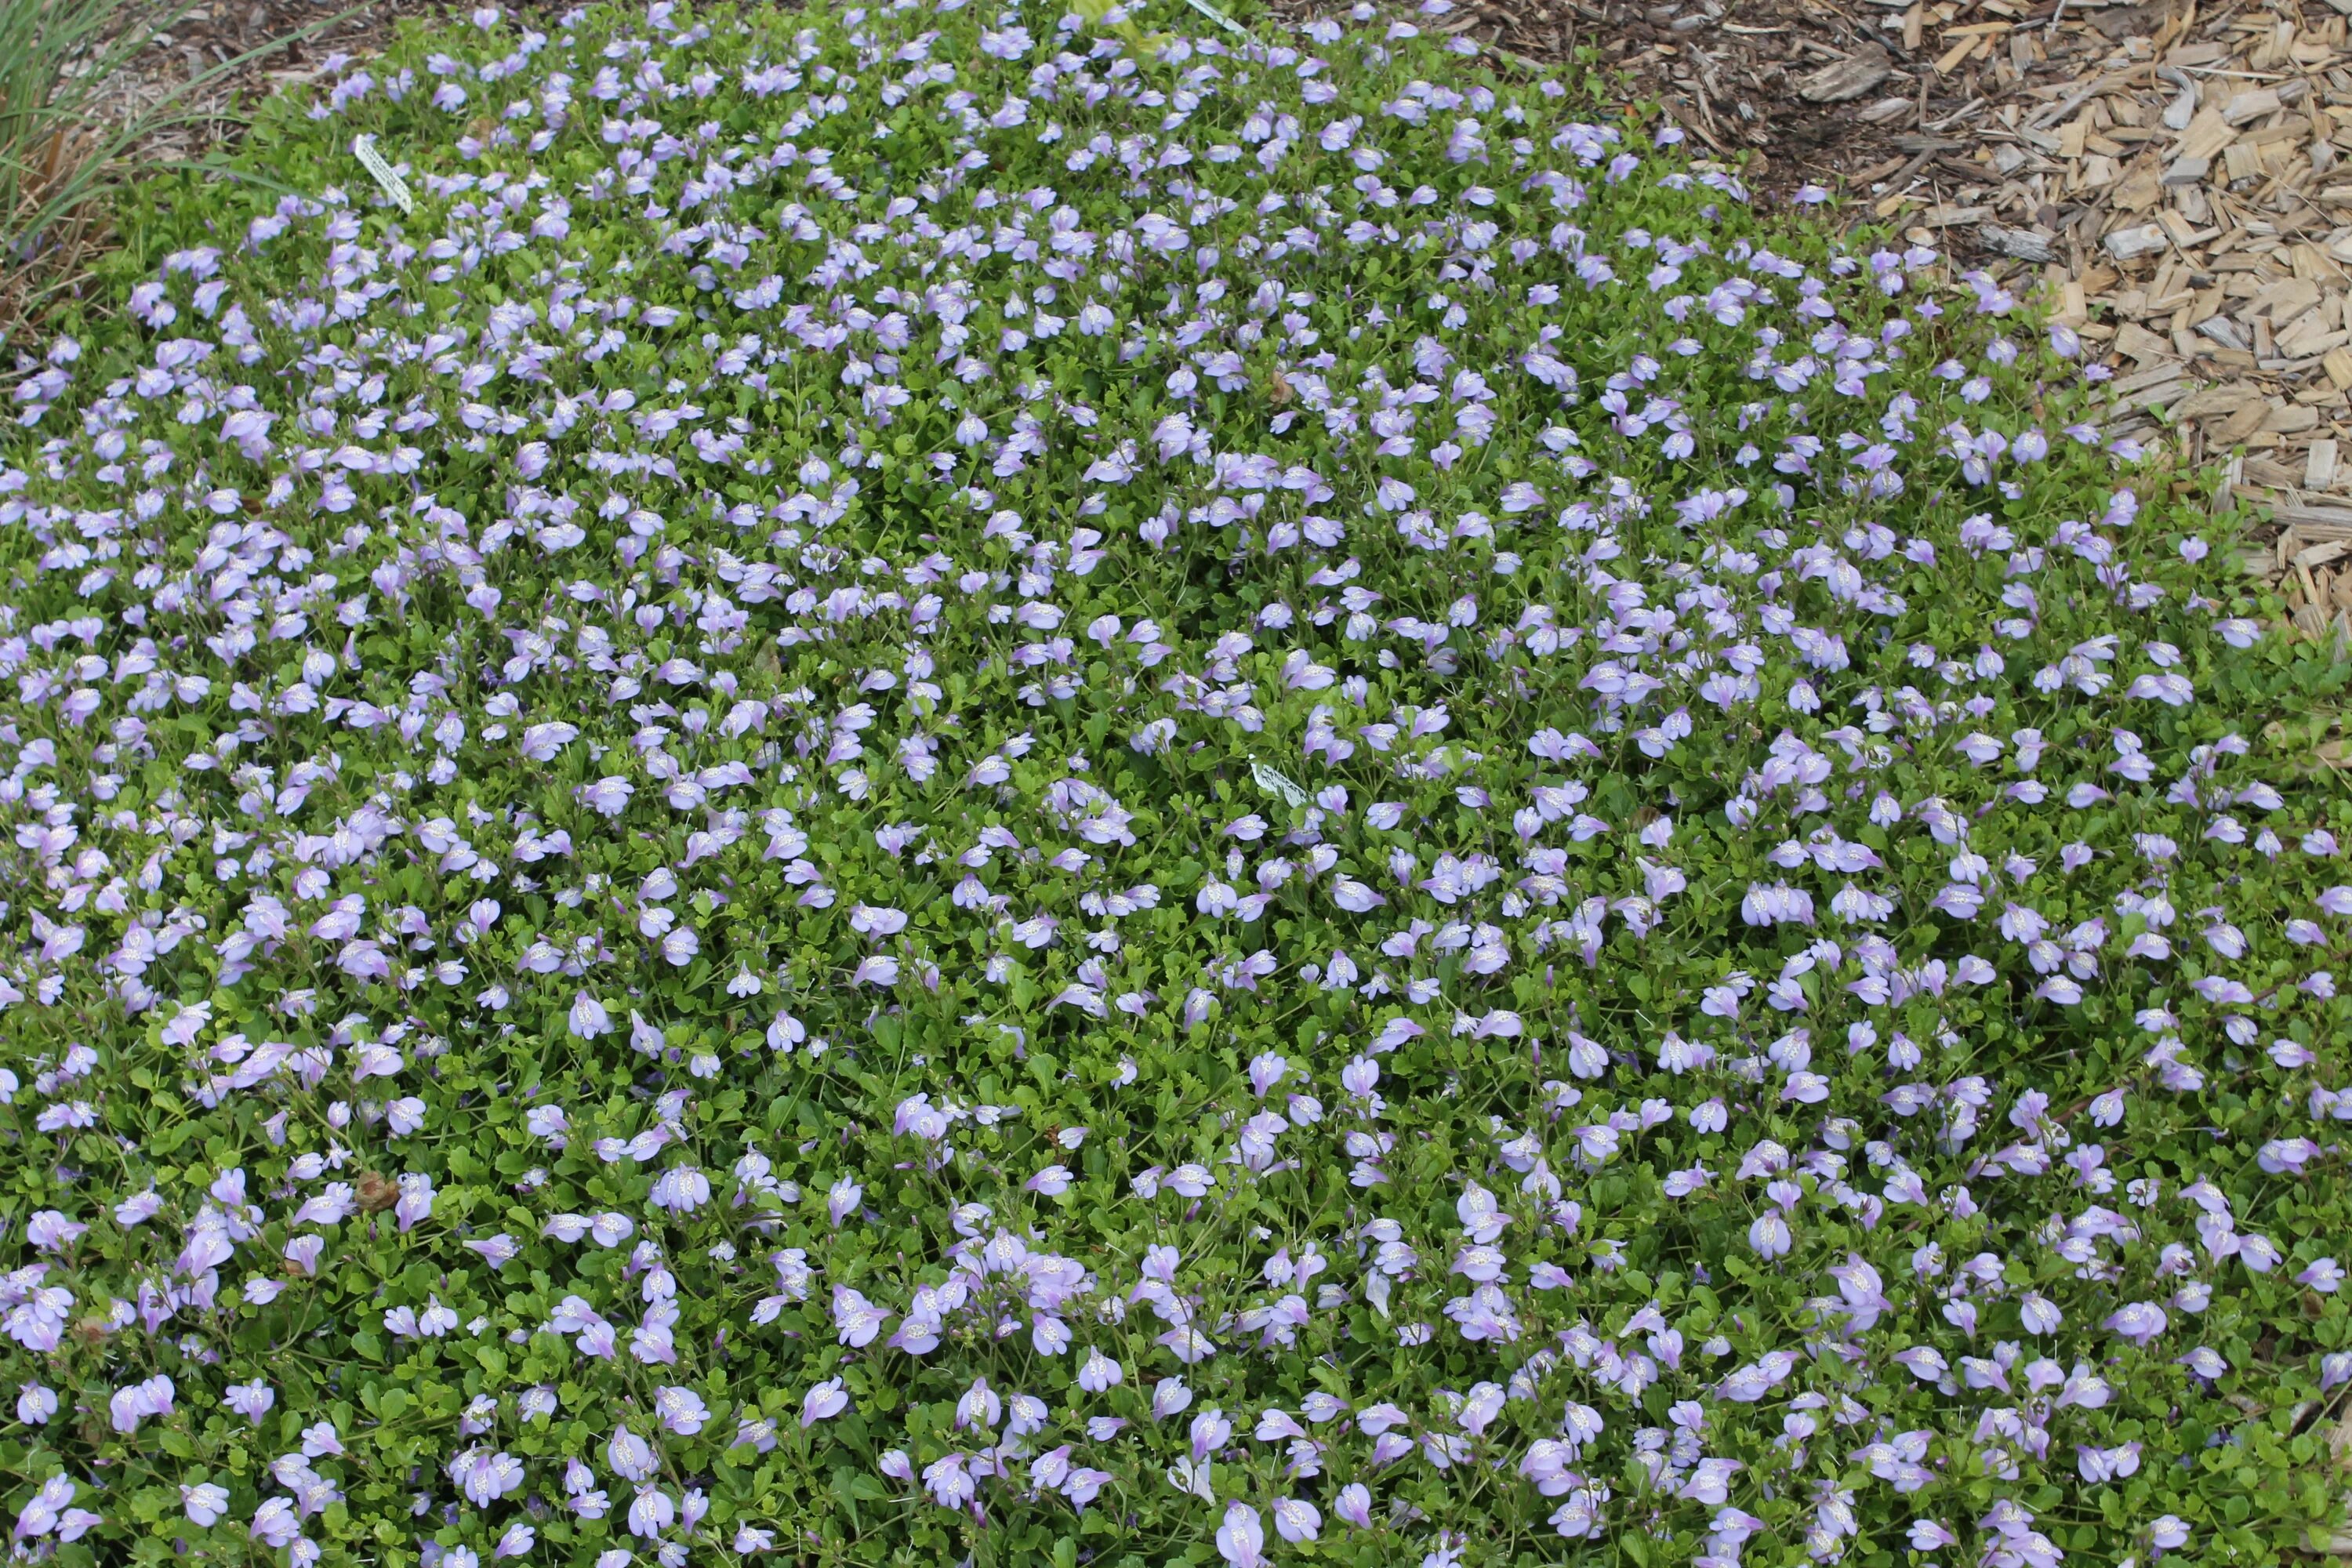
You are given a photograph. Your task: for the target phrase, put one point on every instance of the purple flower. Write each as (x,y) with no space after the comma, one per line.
(50,1231)
(41,1515)
(823,1401)
(2205,1362)
(251,1400)
(206,1504)
(1099,1372)
(588,1018)
(498,1250)
(1240,1539)
(680,1410)
(485,1475)
(2139,1322)
(1297,1519)
(857,1320)
(651,1511)
(1923,1362)
(630,1456)
(275,1524)
(1931,1535)
(415,1204)
(139,1401)
(949,1483)
(2103,1465)
(1084,1485)
(681,1189)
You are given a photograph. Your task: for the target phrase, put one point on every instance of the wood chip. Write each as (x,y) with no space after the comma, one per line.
(2244,108)
(2032,245)
(2142,239)
(2318,521)
(2162,395)
(2319,465)
(1845,79)
(2224,399)
(2207,135)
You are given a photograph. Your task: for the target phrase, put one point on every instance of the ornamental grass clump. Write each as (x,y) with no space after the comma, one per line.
(71,118)
(57,58)
(934,786)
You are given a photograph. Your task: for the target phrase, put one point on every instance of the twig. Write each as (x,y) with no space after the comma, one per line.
(1957,115)
(2088,92)
(1707,79)
(1534,67)
(1703,123)
(1902,178)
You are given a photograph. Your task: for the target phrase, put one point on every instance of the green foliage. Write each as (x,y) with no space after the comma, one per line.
(396,644)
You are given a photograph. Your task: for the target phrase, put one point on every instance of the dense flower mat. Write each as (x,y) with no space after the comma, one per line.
(941,785)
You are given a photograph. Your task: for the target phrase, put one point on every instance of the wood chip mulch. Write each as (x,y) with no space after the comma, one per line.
(2170,177)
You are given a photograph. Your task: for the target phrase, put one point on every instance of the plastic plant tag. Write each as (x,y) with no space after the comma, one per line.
(1219,18)
(1275,785)
(385,175)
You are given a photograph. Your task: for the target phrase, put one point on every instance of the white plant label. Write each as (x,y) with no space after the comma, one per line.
(385,174)
(1275,785)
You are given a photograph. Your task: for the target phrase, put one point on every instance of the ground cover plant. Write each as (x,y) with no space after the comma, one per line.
(925,785)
